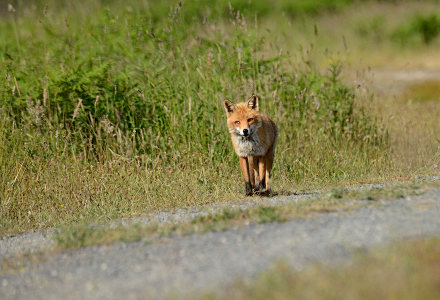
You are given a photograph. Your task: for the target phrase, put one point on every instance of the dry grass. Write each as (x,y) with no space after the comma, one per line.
(412,122)
(425,91)
(71,191)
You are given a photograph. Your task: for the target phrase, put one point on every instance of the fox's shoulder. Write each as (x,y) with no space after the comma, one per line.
(265,118)
(268,131)
(268,122)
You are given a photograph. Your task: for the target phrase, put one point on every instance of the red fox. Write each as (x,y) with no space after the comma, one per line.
(254,137)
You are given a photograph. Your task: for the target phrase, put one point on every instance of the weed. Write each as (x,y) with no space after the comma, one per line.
(268,214)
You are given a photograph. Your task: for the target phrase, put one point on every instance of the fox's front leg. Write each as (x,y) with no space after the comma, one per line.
(245,170)
(262,184)
(253,171)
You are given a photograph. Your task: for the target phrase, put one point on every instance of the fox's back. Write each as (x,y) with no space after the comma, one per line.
(268,132)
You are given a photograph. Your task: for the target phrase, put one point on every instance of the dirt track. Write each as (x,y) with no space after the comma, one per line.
(211,261)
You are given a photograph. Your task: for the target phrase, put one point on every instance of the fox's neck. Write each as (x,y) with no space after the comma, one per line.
(248,146)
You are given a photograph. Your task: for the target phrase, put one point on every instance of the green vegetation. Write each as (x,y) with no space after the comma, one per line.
(425,28)
(402,270)
(413,30)
(111,109)
(83,235)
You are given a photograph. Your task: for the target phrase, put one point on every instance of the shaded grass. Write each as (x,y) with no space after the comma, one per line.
(76,236)
(423,27)
(401,270)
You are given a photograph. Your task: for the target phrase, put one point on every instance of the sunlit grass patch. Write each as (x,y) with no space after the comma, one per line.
(77,236)
(401,270)
(424,91)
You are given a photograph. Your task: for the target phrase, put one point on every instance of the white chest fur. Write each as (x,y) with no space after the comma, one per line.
(249,146)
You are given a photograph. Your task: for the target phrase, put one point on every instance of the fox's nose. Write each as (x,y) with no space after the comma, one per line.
(245,132)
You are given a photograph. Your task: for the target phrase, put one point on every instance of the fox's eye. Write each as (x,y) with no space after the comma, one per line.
(250,119)
(237,122)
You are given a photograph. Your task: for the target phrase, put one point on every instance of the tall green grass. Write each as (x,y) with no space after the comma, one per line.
(112,110)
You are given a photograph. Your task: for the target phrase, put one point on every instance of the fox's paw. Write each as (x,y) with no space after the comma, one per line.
(261,193)
(265,193)
(249,191)
(260,187)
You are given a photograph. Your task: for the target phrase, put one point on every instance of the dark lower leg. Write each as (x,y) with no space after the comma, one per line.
(245,170)
(248,187)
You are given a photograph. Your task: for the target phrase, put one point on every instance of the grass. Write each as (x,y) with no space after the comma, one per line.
(369,34)
(72,237)
(114,110)
(14,264)
(424,91)
(410,114)
(401,270)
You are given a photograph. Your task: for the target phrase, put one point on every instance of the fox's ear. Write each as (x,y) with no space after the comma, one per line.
(253,102)
(229,106)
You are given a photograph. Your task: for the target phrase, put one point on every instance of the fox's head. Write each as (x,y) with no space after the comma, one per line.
(243,118)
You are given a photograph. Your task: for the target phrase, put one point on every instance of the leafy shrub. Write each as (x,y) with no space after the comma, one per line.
(421,27)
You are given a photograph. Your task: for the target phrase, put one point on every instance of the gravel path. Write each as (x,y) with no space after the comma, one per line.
(211,261)
(42,240)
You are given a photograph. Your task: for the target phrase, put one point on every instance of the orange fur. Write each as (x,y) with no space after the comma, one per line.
(254,138)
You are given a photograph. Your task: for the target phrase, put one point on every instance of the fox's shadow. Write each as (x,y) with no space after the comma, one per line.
(291,193)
